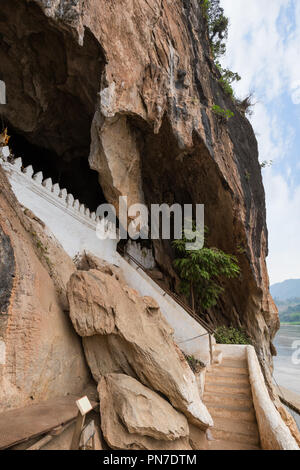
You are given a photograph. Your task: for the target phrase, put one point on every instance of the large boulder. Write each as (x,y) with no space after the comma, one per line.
(125,333)
(42,357)
(133,416)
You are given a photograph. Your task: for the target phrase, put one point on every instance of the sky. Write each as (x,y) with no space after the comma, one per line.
(264,48)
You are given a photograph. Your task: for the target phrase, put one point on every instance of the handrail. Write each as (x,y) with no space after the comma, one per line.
(174,296)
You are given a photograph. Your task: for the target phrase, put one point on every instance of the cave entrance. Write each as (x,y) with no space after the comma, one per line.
(73,174)
(52,84)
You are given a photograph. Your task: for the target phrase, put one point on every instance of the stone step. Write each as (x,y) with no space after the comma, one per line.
(226,378)
(228,445)
(227,399)
(237,413)
(235,363)
(235,431)
(228,388)
(228,370)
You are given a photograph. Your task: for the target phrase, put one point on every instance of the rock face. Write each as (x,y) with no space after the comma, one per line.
(134,417)
(43,357)
(124,333)
(140,76)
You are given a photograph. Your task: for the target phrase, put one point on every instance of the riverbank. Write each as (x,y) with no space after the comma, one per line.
(290,399)
(287,367)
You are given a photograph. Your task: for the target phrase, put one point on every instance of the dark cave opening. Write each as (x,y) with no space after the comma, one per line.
(74,175)
(52,84)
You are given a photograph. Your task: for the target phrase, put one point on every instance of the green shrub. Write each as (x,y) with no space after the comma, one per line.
(266,163)
(227,78)
(205,7)
(201,272)
(225,114)
(217,24)
(231,335)
(194,363)
(247,175)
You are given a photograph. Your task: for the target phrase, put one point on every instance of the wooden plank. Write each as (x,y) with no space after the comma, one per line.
(22,424)
(87,434)
(77,431)
(55,432)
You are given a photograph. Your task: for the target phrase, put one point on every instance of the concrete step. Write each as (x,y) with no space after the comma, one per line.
(226,378)
(228,370)
(227,399)
(235,431)
(229,388)
(228,445)
(237,413)
(235,363)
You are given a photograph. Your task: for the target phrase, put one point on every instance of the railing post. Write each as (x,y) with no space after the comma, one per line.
(210,349)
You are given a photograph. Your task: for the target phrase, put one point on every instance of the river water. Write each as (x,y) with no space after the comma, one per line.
(287,362)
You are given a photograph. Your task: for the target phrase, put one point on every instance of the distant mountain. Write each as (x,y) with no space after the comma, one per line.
(285,290)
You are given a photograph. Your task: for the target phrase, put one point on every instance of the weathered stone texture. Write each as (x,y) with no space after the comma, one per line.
(125,333)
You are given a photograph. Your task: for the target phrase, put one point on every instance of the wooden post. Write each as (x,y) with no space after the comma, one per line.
(77,432)
(84,407)
(87,435)
(210,349)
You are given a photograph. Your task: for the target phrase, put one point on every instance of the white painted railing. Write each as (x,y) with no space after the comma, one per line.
(274,433)
(75,228)
(190,336)
(73,224)
(143,255)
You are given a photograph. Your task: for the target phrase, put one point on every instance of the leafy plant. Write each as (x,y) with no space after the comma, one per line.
(205,6)
(227,78)
(247,175)
(241,249)
(266,163)
(201,272)
(217,24)
(225,114)
(231,335)
(194,363)
(42,249)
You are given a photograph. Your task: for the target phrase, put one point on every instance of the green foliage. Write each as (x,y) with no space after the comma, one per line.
(247,175)
(42,249)
(225,114)
(231,335)
(201,272)
(241,249)
(227,78)
(205,6)
(291,314)
(194,363)
(266,163)
(217,24)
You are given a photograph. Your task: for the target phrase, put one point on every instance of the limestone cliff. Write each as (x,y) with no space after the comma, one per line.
(138,77)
